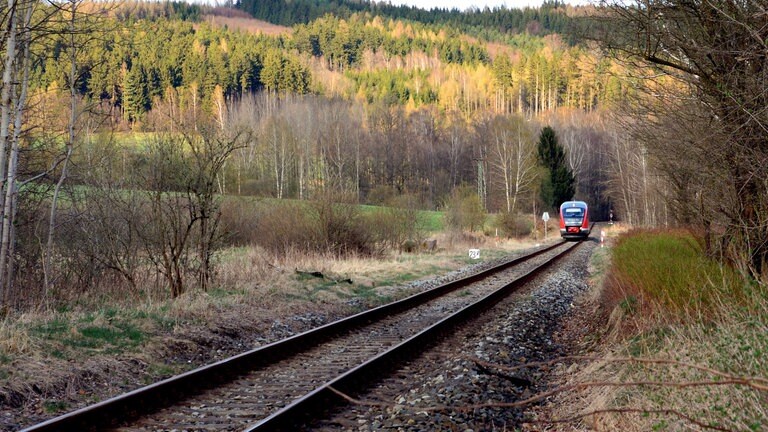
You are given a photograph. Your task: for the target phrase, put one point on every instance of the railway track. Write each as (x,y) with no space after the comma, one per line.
(283,384)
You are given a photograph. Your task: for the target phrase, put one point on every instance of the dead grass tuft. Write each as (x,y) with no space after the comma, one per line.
(14,338)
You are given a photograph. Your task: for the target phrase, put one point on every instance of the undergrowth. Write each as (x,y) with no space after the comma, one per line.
(251,286)
(673,303)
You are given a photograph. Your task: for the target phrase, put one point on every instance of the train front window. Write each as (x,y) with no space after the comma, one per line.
(574,212)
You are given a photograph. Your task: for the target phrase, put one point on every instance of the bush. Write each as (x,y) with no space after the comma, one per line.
(465,210)
(341,227)
(398,227)
(240,218)
(514,225)
(325,225)
(285,227)
(381,195)
(329,224)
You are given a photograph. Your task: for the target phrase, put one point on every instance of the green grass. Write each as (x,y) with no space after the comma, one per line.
(52,407)
(398,279)
(434,221)
(220,293)
(52,329)
(163,321)
(118,335)
(599,262)
(429,220)
(70,339)
(369,294)
(163,370)
(138,140)
(671,269)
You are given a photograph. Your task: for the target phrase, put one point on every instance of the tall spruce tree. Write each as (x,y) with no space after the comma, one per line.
(560,184)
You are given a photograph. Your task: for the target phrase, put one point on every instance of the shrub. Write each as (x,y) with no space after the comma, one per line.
(382,194)
(398,227)
(240,218)
(341,227)
(324,225)
(514,225)
(284,227)
(465,210)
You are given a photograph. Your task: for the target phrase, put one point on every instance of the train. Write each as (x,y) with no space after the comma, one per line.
(574,220)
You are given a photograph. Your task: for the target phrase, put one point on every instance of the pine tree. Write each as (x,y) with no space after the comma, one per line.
(560,185)
(272,72)
(135,96)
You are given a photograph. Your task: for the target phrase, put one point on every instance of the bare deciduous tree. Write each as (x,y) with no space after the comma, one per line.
(182,211)
(512,156)
(716,51)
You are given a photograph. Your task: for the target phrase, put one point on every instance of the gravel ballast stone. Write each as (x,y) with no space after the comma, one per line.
(459,375)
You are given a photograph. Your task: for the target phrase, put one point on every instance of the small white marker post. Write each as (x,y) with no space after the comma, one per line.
(545,218)
(474,254)
(602,237)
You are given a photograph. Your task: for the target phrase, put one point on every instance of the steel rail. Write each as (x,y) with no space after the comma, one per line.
(360,378)
(114,411)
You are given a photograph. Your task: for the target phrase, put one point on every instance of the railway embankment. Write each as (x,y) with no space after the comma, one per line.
(684,346)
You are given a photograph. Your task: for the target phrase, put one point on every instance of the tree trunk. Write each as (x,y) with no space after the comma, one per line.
(8,177)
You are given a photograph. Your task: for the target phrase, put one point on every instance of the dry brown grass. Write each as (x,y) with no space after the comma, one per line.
(252,291)
(14,339)
(266,277)
(728,348)
(250,277)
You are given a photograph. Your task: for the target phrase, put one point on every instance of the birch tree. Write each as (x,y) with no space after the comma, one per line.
(77,29)
(17,37)
(513,157)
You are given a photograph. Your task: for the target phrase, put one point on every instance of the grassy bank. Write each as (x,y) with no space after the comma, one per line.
(687,347)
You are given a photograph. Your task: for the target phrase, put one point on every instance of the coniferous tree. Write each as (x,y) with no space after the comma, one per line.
(135,97)
(560,184)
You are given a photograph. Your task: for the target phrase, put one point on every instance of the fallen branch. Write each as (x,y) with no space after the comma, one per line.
(726,381)
(541,396)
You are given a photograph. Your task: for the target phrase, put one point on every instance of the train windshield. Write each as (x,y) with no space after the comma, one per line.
(573,212)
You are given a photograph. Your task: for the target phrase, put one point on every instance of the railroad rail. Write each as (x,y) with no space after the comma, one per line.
(285,383)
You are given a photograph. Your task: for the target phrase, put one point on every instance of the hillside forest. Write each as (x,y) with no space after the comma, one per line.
(137,140)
